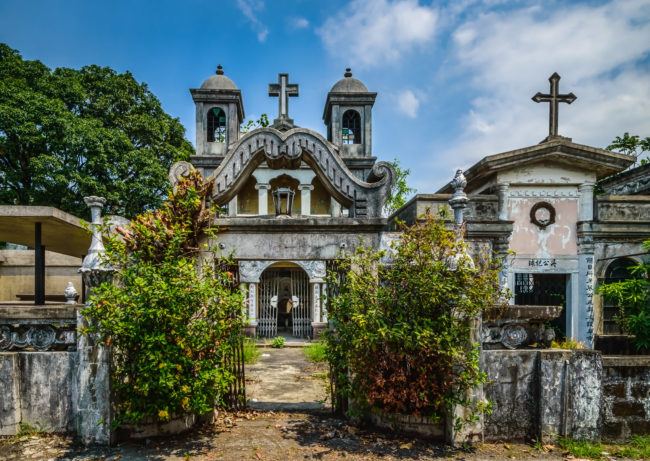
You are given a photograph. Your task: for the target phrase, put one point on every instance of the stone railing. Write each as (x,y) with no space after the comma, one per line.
(45,328)
(518,326)
(627,208)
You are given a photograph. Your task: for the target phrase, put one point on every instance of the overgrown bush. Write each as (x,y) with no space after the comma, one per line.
(633,299)
(401,336)
(169,318)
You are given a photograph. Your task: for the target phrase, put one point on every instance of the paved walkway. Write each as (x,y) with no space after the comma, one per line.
(283,380)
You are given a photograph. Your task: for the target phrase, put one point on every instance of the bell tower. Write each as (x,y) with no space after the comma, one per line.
(219,113)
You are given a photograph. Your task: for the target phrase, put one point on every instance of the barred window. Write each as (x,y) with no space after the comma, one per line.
(216,125)
(351,127)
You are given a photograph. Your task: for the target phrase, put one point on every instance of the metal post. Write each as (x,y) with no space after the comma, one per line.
(39,267)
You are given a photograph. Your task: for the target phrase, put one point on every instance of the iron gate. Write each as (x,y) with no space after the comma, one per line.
(543,290)
(272,282)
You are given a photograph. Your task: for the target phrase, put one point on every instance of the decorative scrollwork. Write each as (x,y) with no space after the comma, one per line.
(41,338)
(179,170)
(513,336)
(6,338)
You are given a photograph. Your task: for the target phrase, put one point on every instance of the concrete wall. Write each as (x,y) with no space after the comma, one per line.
(542,394)
(626,397)
(36,389)
(17,273)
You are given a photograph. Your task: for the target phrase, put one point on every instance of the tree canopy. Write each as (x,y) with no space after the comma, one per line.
(631,145)
(69,133)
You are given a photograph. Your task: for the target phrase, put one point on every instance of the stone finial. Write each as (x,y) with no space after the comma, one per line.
(458,200)
(348,73)
(70,294)
(93,270)
(219,70)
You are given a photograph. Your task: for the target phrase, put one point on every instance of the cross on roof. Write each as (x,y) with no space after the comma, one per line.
(283,89)
(554,98)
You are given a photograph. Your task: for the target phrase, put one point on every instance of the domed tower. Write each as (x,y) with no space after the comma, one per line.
(219,113)
(348,117)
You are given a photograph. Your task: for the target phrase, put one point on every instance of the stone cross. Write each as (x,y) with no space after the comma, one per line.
(283,89)
(554,98)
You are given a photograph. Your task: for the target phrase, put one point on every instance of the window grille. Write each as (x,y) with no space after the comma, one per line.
(216,125)
(618,271)
(351,127)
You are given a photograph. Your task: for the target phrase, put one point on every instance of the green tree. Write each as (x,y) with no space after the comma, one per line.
(633,299)
(169,319)
(400,340)
(69,133)
(631,145)
(400,191)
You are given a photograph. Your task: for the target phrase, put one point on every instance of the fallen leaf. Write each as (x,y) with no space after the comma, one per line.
(406,446)
(258,455)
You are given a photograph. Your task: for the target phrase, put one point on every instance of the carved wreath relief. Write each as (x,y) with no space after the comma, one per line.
(542,214)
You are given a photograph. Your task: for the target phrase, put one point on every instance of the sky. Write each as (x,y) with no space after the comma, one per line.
(454,78)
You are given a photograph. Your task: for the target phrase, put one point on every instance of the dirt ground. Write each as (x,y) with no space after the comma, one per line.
(290,419)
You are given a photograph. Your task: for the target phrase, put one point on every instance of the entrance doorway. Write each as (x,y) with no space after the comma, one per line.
(285,301)
(544,290)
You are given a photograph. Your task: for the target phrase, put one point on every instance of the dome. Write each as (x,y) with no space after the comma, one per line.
(348,84)
(218,81)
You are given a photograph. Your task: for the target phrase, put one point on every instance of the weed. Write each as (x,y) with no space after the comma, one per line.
(581,449)
(568,343)
(316,352)
(251,352)
(27,429)
(277,342)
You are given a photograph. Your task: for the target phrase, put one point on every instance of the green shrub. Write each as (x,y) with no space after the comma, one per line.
(278,342)
(633,299)
(568,343)
(169,319)
(316,352)
(401,336)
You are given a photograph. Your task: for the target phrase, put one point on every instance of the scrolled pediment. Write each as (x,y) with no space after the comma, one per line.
(287,150)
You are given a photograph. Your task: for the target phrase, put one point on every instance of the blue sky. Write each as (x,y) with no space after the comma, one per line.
(454,79)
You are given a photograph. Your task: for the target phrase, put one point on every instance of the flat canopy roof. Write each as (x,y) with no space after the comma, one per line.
(61,232)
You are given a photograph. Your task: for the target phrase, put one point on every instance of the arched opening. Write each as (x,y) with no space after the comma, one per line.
(285,181)
(248,198)
(216,125)
(284,302)
(618,271)
(351,127)
(320,198)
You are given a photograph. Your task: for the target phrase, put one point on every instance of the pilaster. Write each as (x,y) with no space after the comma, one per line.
(263,198)
(305,198)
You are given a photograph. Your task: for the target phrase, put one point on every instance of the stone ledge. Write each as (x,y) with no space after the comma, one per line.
(626,361)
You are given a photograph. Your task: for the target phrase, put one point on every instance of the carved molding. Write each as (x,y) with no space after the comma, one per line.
(288,149)
(314,269)
(250,271)
(617,211)
(38,337)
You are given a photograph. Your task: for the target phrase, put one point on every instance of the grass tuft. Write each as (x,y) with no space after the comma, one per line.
(251,352)
(315,352)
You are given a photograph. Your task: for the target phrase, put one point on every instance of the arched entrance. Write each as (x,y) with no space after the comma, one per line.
(284,302)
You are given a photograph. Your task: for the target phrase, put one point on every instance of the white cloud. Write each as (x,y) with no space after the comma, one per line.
(600,52)
(298,23)
(250,8)
(371,33)
(408,103)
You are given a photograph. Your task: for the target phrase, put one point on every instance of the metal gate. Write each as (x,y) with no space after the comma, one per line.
(301,315)
(272,282)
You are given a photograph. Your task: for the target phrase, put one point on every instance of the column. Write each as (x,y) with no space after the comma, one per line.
(232,206)
(305,198)
(324,302)
(250,294)
(318,324)
(262,198)
(91,396)
(582,312)
(586,202)
(502,193)
(335,208)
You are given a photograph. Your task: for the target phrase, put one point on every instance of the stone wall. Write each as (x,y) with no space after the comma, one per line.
(542,394)
(37,389)
(626,397)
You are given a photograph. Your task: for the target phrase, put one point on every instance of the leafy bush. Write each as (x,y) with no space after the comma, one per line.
(633,299)
(315,352)
(401,336)
(277,342)
(169,318)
